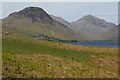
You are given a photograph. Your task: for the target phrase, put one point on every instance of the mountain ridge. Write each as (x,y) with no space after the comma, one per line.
(36,21)
(93,20)
(88,26)
(35,13)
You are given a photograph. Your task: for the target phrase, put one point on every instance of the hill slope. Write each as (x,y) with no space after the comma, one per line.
(60,20)
(36,21)
(90,27)
(111,34)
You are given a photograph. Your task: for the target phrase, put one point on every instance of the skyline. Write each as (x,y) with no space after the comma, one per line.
(70,11)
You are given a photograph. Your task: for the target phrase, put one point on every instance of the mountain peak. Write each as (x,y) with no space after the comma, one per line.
(90,26)
(27,10)
(89,17)
(31,9)
(92,20)
(36,13)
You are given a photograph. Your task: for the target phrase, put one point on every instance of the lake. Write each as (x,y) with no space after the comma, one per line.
(96,44)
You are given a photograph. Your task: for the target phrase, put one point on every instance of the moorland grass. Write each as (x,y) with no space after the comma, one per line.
(28,58)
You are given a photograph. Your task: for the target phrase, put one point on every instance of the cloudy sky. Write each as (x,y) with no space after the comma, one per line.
(70,11)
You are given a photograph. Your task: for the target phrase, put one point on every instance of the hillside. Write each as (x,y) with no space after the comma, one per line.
(36,21)
(60,20)
(111,34)
(91,27)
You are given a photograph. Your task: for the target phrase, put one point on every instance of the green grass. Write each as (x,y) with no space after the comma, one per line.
(22,47)
(27,58)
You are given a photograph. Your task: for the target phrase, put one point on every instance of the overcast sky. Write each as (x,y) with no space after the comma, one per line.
(70,11)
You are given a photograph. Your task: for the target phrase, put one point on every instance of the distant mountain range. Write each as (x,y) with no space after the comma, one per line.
(35,21)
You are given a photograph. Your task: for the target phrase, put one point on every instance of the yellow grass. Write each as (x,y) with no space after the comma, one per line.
(85,48)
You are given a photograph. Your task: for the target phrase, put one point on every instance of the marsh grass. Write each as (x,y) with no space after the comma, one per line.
(33,59)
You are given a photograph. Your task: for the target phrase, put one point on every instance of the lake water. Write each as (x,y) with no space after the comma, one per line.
(96,44)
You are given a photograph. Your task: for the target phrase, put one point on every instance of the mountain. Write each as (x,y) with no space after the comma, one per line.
(111,34)
(60,20)
(91,27)
(35,21)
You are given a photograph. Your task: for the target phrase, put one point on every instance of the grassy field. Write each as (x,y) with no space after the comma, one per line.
(42,59)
